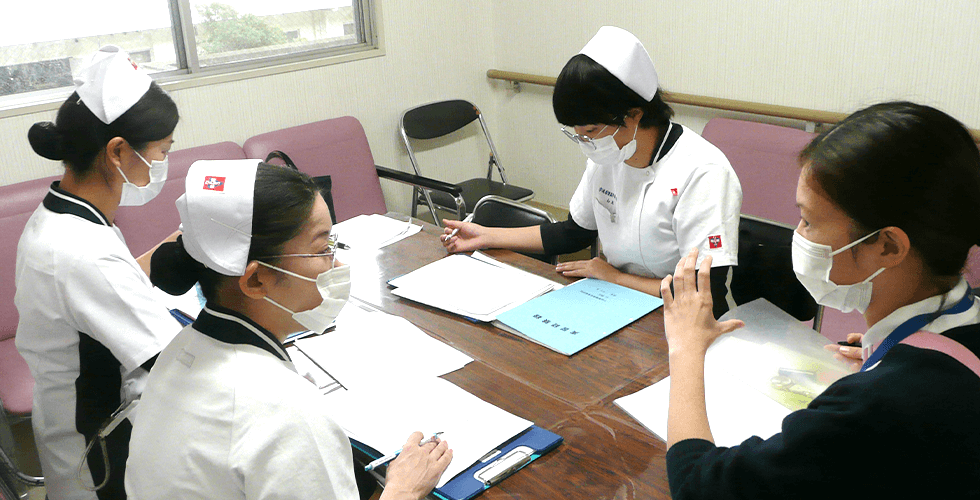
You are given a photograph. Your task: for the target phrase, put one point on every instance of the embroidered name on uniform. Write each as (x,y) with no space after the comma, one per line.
(714,241)
(608,193)
(673,191)
(212,183)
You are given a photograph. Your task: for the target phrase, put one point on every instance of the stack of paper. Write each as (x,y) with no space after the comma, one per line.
(754,377)
(374,231)
(382,414)
(475,286)
(578,315)
(379,374)
(379,343)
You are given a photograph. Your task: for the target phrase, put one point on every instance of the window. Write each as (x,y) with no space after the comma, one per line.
(172,39)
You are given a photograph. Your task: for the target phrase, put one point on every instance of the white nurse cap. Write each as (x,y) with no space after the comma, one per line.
(110,83)
(623,55)
(216,213)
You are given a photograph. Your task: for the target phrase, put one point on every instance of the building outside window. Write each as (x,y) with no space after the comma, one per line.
(174,38)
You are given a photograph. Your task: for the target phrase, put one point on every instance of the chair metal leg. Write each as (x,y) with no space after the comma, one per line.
(9,474)
(818,319)
(415,202)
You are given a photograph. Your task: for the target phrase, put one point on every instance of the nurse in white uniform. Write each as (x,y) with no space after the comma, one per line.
(225,415)
(89,325)
(652,189)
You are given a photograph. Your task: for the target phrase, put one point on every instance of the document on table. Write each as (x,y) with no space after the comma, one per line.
(475,286)
(373,231)
(380,343)
(382,414)
(754,377)
(578,315)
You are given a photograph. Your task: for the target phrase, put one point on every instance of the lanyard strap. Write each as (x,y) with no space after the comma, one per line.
(913,325)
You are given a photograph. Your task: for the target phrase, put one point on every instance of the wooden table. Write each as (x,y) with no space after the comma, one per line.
(606,454)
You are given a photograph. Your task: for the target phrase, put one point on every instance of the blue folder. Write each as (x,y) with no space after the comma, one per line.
(499,464)
(495,466)
(578,315)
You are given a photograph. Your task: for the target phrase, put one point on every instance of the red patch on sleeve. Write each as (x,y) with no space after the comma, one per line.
(212,183)
(714,241)
(673,191)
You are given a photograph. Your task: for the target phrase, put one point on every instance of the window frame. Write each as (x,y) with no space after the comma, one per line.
(367,17)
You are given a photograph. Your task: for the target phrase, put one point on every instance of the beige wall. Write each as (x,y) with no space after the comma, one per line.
(835,56)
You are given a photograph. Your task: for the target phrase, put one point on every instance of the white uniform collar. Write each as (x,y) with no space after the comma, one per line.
(877,333)
(62,202)
(232,327)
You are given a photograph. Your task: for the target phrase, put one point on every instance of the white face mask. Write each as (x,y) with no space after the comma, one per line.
(812,263)
(334,287)
(606,151)
(135,196)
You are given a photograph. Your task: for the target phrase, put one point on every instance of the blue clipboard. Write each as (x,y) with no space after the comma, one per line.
(494,467)
(497,465)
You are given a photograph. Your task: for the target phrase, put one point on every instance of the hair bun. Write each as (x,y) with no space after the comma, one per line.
(47,140)
(173,270)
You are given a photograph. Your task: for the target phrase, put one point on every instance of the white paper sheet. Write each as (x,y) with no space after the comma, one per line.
(384,345)
(741,369)
(382,414)
(735,412)
(373,231)
(476,287)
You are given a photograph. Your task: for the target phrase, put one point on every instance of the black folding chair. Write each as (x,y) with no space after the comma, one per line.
(439,119)
(497,211)
(765,269)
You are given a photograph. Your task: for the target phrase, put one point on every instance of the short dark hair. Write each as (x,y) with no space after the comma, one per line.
(905,165)
(77,136)
(587,93)
(283,203)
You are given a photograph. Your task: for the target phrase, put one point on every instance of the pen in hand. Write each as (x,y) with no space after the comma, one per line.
(388,458)
(468,218)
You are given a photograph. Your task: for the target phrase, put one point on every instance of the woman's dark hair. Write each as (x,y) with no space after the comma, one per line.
(587,93)
(905,165)
(78,136)
(283,202)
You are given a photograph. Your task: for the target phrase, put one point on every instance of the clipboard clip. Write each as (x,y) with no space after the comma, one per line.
(504,466)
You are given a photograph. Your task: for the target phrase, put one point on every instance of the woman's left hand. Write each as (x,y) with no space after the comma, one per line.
(592,268)
(689,320)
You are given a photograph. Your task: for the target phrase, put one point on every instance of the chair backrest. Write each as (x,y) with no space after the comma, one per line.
(497,211)
(149,224)
(765,268)
(17,203)
(765,159)
(337,147)
(437,119)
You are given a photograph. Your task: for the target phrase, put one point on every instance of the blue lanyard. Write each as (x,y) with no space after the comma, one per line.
(913,325)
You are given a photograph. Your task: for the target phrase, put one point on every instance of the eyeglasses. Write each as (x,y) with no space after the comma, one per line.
(331,251)
(583,139)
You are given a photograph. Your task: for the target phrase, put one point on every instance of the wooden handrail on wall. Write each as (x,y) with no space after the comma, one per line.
(808,115)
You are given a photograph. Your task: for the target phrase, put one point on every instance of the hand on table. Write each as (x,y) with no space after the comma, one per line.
(592,268)
(689,320)
(848,354)
(470,236)
(417,469)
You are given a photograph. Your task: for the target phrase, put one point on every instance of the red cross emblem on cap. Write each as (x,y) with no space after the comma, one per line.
(714,241)
(673,191)
(212,183)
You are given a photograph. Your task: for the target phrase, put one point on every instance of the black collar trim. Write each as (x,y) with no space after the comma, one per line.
(63,202)
(230,327)
(668,143)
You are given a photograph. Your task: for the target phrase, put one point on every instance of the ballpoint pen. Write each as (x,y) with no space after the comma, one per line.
(388,458)
(468,218)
